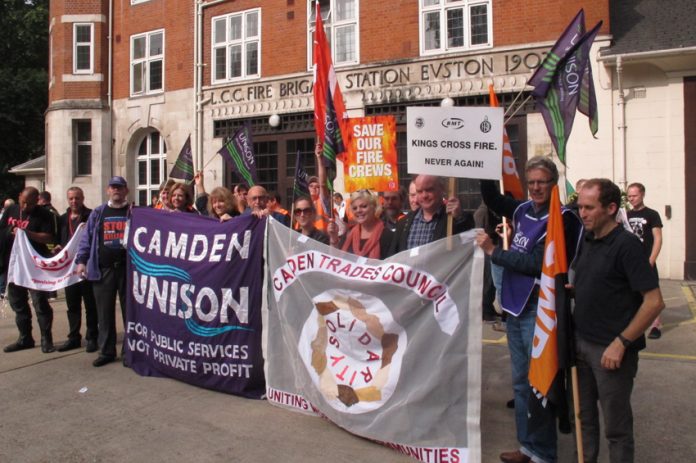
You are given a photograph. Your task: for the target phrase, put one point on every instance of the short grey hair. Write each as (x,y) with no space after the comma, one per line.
(544,163)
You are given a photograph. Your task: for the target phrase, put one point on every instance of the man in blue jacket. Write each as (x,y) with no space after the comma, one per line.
(102,260)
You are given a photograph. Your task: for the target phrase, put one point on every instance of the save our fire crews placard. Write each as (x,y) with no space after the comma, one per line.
(465,142)
(370,157)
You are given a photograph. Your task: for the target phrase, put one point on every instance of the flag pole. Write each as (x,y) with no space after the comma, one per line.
(518,109)
(576,409)
(512,105)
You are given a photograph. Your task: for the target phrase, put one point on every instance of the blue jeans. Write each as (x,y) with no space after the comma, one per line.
(540,444)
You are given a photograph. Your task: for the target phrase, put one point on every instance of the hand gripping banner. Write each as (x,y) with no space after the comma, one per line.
(30,269)
(194,300)
(388,350)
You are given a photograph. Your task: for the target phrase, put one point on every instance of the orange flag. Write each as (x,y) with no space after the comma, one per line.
(511,180)
(544,363)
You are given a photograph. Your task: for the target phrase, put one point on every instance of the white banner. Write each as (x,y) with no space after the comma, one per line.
(464,142)
(388,350)
(31,270)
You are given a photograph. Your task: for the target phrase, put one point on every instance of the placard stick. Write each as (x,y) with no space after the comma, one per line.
(507,119)
(450,219)
(519,94)
(576,409)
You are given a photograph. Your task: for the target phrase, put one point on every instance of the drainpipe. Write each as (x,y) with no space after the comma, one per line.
(109,86)
(622,122)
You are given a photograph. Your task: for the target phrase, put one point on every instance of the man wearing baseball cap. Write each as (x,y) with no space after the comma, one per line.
(101,259)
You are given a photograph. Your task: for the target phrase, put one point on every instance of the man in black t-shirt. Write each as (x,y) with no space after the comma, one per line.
(101,258)
(39,225)
(647,226)
(617,297)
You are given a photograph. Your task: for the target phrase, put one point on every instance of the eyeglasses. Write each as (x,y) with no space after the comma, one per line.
(256,198)
(533,183)
(306,210)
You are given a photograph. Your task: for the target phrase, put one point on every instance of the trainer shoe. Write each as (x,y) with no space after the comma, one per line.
(655,333)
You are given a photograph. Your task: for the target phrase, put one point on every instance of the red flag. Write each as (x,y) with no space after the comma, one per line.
(544,362)
(325,81)
(511,180)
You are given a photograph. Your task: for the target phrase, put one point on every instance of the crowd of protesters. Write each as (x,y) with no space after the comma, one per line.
(617,295)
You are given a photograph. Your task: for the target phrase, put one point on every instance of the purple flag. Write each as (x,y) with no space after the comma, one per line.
(562,94)
(238,152)
(183,167)
(194,300)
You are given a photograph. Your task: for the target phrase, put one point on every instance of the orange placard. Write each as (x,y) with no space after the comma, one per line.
(370,158)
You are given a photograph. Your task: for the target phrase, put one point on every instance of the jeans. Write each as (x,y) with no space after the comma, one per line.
(612,388)
(539,444)
(19,301)
(113,282)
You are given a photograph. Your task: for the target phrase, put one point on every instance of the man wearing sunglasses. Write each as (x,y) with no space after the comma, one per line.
(520,291)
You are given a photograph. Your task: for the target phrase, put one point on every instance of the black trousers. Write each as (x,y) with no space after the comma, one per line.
(75,295)
(19,301)
(113,282)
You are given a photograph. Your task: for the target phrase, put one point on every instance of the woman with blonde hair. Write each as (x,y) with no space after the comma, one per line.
(221,204)
(368,237)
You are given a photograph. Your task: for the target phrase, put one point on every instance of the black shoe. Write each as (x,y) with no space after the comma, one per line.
(655,333)
(510,403)
(70,344)
(92,345)
(47,345)
(102,360)
(19,345)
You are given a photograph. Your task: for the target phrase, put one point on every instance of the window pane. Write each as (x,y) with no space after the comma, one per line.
(143,198)
(431,28)
(154,143)
(431,2)
(84,160)
(156,75)
(220,63)
(235,61)
(83,33)
(252,58)
(455,27)
(154,171)
(478,16)
(252,24)
(142,150)
(138,78)
(84,130)
(345,44)
(82,58)
(345,9)
(220,30)
(142,172)
(235,27)
(139,48)
(156,44)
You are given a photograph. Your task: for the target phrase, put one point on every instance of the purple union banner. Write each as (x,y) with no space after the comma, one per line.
(194,300)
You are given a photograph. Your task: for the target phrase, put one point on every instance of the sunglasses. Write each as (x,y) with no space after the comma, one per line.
(306,210)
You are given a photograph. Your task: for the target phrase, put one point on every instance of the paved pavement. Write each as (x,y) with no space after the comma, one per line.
(58,408)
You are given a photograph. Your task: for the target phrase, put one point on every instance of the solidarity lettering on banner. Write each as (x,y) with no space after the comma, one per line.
(194,300)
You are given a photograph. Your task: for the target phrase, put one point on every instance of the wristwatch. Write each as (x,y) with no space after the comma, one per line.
(623,340)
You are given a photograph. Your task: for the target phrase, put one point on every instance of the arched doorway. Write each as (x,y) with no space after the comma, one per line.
(151,167)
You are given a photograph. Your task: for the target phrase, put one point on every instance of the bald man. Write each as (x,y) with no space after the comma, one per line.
(257,204)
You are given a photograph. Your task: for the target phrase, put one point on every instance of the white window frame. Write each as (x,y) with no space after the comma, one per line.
(89,44)
(330,28)
(229,43)
(77,143)
(441,7)
(147,157)
(147,61)
(135,2)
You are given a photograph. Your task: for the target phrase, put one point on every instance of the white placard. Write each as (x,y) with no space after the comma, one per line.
(465,142)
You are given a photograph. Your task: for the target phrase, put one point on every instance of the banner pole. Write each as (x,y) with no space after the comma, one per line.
(450,219)
(576,407)
(517,110)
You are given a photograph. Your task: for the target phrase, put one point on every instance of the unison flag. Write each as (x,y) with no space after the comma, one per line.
(329,108)
(183,167)
(511,179)
(301,182)
(552,346)
(193,309)
(238,152)
(559,98)
(389,350)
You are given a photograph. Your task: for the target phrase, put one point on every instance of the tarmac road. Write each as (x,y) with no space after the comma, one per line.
(58,408)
